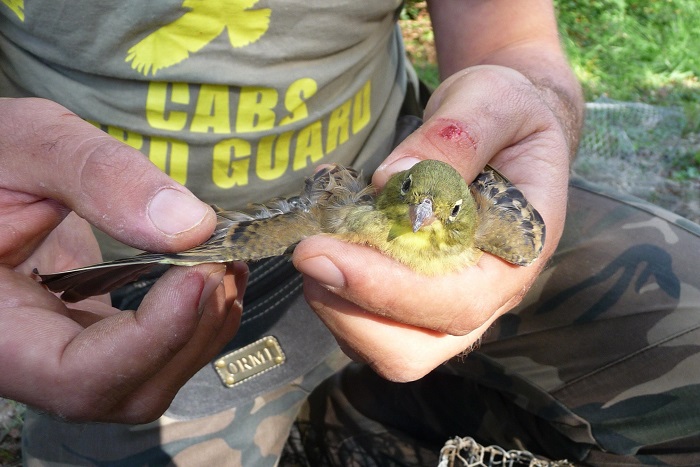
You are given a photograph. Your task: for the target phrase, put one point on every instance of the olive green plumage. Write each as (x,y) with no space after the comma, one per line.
(426,217)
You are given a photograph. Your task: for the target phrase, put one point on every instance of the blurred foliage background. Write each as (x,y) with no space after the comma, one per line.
(629,50)
(639,50)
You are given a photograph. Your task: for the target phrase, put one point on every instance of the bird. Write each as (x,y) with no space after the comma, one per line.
(426,217)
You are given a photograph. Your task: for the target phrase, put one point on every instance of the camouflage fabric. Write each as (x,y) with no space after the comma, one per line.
(249,434)
(599,365)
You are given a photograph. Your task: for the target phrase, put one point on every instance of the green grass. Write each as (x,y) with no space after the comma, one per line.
(11,419)
(630,50)
(640,51)
(636,50)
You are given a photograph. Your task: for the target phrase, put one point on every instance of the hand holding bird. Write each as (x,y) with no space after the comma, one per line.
(425,217)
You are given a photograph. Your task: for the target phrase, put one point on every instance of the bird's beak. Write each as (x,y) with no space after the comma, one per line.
(421,214)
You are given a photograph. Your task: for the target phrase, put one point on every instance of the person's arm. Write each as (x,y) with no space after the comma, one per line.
(519,35)
(510,100)
(89,361)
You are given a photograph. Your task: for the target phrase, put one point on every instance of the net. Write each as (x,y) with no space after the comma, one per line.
(635,148)
(466,452)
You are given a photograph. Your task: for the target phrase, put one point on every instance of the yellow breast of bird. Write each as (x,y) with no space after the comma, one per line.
(428,251)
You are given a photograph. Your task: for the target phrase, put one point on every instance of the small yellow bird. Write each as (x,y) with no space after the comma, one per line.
(426,217)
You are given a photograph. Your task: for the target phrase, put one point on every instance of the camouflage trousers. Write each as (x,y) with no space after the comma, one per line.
(600,364)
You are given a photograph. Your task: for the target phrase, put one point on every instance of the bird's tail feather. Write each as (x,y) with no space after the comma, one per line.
(79,284)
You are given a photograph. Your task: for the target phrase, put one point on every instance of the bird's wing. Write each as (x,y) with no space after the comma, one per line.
(260,231)
(277,226)
(509,226)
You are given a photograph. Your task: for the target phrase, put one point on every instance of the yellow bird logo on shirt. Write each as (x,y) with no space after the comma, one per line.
(205,21)
(17,7)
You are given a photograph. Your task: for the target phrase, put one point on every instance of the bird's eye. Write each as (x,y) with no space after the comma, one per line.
(406,185)
(455,210)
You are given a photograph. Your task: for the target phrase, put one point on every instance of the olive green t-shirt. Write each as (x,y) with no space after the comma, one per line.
(236,99)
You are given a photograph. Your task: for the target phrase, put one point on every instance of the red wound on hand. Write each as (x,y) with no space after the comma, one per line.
(453,132)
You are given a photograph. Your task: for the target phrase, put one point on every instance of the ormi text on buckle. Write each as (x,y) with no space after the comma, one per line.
(251,360)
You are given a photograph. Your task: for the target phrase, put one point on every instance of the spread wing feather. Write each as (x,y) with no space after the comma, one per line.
(259,231)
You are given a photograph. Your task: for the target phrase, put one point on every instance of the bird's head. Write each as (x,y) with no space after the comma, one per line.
(430,191)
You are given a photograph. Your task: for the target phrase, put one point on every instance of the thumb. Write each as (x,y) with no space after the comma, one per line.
(472,116)
(50,152)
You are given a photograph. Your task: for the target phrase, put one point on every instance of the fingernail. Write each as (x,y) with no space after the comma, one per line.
(323,270)
(212,282)
(404,163)
(173,211)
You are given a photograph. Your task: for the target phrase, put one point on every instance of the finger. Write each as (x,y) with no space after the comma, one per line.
(219,323)
(455,304)
(472,116)
(50,152)
(69,245)
(396,351)
(26,221)
(101,365)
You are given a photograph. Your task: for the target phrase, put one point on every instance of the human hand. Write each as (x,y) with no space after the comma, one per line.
(403,324)
(90,361)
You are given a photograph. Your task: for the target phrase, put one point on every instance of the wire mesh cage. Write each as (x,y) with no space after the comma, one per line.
(635,148)
(466,452)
